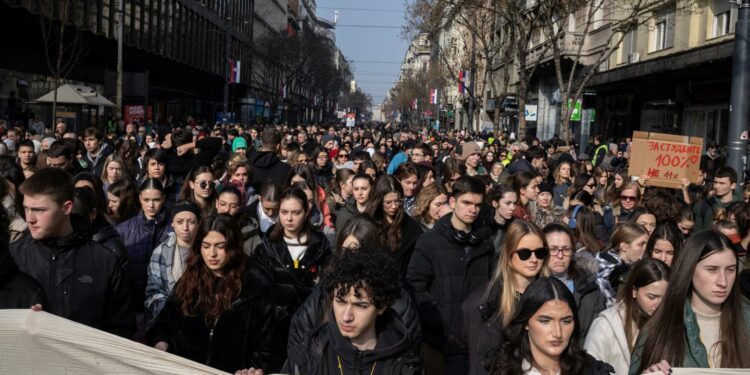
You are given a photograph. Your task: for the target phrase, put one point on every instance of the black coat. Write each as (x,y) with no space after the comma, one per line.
(106,235)
(267,166)
(17,289)
(311,315)
(239,339)
(323,350)
(441,275)
(410,232)
(481,327)
(82,280)
(589,300)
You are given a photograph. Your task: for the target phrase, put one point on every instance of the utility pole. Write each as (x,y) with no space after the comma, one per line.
(739,107)
(472,80)
(227,72)
(118,94)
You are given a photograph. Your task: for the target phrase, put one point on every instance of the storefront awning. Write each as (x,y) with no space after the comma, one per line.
(75,94)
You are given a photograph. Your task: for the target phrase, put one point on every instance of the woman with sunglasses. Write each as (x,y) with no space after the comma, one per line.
(386,207)
(341,159)
(564,265)
(703,321)
(361,188)
(613,334)
(140,235)
(627,245)
(543,336)
(220,313)
(200,188)
(523,258)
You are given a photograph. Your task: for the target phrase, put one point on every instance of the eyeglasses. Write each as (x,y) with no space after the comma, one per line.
(566,251)
(591,185)
(343,156)
(540,253)
(207,184)
(397,203)
(628,198)
(322,157)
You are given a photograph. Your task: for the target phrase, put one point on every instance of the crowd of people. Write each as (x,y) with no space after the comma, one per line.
(376,250)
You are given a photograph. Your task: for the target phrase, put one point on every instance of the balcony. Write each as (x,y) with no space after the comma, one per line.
(569,45)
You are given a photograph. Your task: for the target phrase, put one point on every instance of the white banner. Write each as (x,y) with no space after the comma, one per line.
(42,343)
(530,112)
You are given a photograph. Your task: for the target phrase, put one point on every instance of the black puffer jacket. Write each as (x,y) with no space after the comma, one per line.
(82,280)
(481,327)
(240,338)
(310,316)
(410,232)
(441,275)
(324,349)
(17,289)
(267,166)
(589,299)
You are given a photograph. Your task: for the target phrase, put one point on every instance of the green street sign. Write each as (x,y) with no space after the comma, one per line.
(575,115)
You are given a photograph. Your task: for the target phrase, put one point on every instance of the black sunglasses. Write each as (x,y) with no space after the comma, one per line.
(207,184)
(540,253)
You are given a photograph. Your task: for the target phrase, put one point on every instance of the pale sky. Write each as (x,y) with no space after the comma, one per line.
(377,52)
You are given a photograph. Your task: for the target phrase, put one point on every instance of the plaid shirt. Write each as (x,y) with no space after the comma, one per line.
(160,282)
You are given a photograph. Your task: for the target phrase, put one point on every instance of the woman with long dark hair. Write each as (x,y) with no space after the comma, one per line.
(612,335)
(702,322)
(386,207)
(408,176)
(665,243)
(361,188)
(525,184)
(121,201)
(220,313)
(543,336)
(523,258)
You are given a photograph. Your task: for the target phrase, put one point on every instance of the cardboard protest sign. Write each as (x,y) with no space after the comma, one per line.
(665,158)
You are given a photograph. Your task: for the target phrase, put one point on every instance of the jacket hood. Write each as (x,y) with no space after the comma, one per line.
(263,159)
(81,234)
(255,282)
(392,340)
(520,165)
(103,231)
(250,227)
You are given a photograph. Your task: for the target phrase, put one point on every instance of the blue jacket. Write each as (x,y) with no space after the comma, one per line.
(141,237)
(397,160)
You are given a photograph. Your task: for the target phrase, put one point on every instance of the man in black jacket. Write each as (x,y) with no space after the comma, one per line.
(82,279)
(96,150)
(266,163)
(362,335)
(450,261)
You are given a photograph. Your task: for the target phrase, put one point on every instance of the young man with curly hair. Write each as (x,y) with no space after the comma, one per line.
(362,334)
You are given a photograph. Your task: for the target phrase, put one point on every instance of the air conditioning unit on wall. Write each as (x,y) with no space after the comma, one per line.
(634,57)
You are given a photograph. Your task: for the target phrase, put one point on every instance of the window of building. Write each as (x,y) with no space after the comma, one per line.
(721,24)
(598,20)
(662,35)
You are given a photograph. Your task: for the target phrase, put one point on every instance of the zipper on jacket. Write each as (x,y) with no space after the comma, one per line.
(359,361)
(211,340)
(53,284)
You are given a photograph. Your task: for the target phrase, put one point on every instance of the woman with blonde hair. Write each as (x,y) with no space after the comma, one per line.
(114,169)
(523,258)
(431,205)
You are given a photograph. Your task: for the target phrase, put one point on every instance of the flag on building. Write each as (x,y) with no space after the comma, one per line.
(461,82)
(434,96)
(234,71)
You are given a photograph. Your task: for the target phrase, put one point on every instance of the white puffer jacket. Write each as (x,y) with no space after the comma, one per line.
(606,339)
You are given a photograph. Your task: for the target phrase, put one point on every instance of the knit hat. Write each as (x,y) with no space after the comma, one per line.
(468,149)
(239,142)
(186,206)
(326,138)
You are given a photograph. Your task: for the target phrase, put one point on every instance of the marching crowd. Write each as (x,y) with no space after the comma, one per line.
(376,250)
